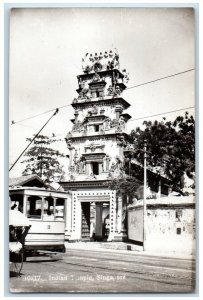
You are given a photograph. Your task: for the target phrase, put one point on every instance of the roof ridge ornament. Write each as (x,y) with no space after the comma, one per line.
(100,62)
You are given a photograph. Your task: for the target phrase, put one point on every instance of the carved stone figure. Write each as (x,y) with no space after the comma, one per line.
(71,169)
(114,123)
(83,93)
(92,176)
(94,110)
(119,164)
(87,63)
(107,123)
(110,65)
(105,60)
(113,166)
(100,56)
(89,113)
(108,159)
(126,76)
(77,126)
(117,90)
(69,143)
(96,77)
(72,178)
(121,141)
(111,54)
(97,66)
(110,90)
(92,147)
(75,100)
(122,122)
(82,165)
(116,61)
(69,134)
(77,167)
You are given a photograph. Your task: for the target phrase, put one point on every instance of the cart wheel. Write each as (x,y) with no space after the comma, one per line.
(16,264)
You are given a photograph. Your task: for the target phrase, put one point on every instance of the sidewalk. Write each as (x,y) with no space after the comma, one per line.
(122,247)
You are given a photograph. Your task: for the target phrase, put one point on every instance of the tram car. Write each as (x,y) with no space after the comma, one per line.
(45,210)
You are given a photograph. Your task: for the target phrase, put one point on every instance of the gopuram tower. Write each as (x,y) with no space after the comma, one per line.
(97,143)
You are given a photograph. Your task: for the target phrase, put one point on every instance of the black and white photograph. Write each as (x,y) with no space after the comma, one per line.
(102,150)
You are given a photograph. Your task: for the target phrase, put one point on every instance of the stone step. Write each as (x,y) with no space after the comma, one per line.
(106,245)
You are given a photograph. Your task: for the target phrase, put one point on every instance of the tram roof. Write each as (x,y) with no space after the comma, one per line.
(37,191)
(26,180)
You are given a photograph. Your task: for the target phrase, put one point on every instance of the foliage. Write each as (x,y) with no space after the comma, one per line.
(170,147)
(125,185)
(42,159)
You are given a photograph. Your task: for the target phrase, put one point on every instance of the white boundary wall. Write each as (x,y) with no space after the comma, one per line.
(170,224)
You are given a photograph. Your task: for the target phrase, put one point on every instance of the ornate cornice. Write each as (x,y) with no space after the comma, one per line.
(93,156)
(99,137)
(67,185)
(95,118)
(101,74)
(101,102)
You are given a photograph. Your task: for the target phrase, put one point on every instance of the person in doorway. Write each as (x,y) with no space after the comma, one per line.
(92,230)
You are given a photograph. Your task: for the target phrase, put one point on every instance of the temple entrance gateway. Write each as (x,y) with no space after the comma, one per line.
(95,221)
(97,143)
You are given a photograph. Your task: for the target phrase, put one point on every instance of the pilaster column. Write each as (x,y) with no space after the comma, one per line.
(112,216)
(98,227)
(71,155)
(124,214)
(121,219)
(119,214)
(68,217)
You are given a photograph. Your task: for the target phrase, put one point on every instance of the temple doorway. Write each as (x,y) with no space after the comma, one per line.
(99,221)
(85,234)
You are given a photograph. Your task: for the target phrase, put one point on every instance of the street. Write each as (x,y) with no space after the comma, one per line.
(105,271)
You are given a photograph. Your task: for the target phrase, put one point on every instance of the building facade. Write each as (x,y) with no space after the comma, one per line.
(96,145)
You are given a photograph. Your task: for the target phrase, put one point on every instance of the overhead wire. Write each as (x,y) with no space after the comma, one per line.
(135,86)
(163,113)
(56,111)
(158,79)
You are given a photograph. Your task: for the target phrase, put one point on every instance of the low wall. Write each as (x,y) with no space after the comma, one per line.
(170,224)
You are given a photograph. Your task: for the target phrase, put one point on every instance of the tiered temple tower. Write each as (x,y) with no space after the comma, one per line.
(96,146)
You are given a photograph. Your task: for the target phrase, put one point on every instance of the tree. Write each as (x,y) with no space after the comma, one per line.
(42,159)
(170,147)
(126,186)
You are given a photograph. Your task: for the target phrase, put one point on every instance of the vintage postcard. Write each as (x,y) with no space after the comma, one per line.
(102,150)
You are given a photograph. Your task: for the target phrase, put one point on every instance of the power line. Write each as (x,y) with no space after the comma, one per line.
(135,86)
(31,117)
(164,113)
(56,111)
(161,78)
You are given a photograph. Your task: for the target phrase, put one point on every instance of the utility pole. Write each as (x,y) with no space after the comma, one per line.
(145,196)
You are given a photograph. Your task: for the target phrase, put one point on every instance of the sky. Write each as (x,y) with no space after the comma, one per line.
(46,50)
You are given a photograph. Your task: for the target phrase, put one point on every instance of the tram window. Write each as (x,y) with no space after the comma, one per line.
(59,212)
(48,213)
(17,205)
(34,208)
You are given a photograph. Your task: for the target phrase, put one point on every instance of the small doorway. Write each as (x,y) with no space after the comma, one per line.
(85,234)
